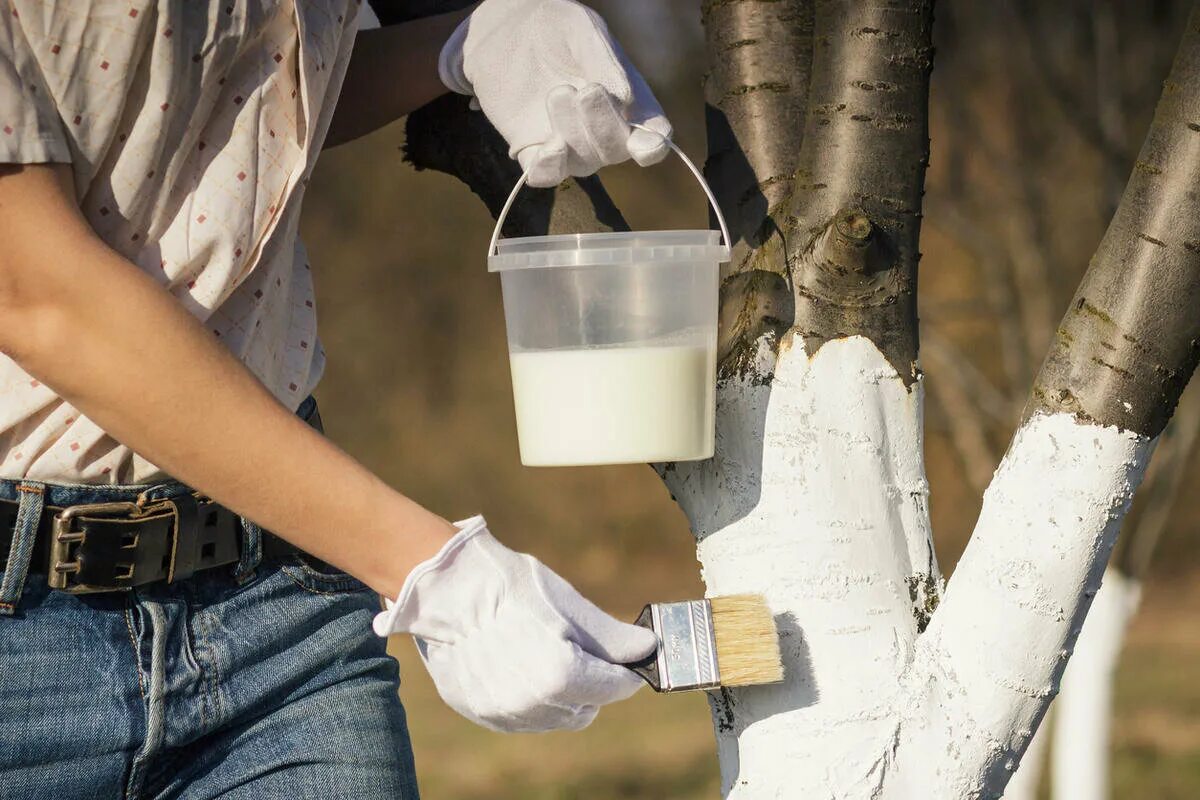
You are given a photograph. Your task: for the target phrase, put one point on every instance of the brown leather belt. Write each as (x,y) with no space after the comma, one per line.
(111,547)
(106,547)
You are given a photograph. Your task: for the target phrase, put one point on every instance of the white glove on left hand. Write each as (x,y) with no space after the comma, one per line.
(557,86)
(509,644)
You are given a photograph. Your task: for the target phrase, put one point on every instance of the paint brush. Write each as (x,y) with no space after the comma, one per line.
(705,644)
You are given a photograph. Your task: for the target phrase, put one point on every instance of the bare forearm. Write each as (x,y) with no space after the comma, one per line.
(114,344)
(392,71)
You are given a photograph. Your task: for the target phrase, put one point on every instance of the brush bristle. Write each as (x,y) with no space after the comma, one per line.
(747,640)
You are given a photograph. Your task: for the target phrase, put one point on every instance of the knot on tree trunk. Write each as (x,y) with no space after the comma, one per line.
(850,264)
(753,304)
(851,281)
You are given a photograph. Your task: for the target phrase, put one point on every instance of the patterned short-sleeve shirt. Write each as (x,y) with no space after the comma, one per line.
(191,128)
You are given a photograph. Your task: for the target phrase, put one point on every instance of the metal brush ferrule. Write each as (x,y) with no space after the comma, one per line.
(687,651)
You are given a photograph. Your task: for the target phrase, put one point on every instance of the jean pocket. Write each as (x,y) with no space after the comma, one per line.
(314,575)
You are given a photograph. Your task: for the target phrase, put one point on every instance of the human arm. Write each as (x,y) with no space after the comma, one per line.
(510,645)
(112,342)
(393,70)
(546,73)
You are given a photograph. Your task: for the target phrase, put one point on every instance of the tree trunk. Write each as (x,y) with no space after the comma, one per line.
(817,495)
(1080,719)
(1082,714)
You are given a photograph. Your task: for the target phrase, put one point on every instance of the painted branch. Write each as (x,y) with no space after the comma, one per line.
(1080,756)
(994,654)
(990,661)
(1080,718)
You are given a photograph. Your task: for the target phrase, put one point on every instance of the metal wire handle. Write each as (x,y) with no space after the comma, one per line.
(683,156)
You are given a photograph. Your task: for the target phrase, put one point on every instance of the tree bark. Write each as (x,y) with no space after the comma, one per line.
(759,56)
(816,496)
(1129,344)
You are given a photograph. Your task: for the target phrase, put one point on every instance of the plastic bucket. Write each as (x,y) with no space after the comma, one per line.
(612,341)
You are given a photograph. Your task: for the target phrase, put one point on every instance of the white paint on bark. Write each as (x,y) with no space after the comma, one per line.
(991,660)
(1027,780)
(1080,718)
(817,498)
(1083,712)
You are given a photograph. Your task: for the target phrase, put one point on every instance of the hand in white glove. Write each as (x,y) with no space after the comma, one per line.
(510,645)
(557,86)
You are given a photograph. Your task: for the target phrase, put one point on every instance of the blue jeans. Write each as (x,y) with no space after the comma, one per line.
(260,680)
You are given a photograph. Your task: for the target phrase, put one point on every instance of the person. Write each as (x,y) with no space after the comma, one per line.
(189,602)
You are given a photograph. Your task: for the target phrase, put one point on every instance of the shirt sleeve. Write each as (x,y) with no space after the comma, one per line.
(31,130)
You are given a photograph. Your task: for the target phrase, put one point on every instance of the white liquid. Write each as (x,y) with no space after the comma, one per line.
(614,405)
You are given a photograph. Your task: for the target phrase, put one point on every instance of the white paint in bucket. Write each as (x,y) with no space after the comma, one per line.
(614,405)
(612,340)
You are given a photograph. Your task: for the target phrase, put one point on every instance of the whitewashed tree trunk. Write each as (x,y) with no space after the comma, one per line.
(1027,780)
(836,534)
(1081,755)
(1080,718)
(817,496)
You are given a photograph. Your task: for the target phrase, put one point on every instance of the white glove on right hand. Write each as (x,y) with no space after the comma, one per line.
(510,645)
(557,86)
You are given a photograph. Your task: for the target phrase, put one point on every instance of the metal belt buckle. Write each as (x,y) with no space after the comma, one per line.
(66,542)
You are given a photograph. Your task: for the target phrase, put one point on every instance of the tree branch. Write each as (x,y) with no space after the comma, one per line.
(865,149)
(759,55)
(1131,339)
(992,658)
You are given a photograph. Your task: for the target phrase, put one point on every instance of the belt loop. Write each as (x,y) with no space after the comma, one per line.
(29,514)
(251,551)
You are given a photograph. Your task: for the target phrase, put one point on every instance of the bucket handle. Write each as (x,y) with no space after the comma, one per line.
(683,156)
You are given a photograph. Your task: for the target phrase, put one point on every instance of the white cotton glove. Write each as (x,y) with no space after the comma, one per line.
(510,645)
(557,86)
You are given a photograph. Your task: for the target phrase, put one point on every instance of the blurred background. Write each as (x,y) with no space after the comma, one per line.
(1037,114)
